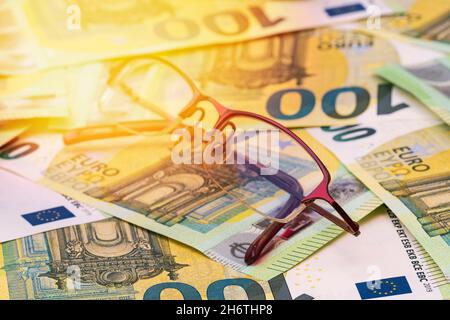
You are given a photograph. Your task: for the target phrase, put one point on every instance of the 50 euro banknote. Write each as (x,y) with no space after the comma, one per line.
(39,34)
(135,179)
(428,81)
(407,166)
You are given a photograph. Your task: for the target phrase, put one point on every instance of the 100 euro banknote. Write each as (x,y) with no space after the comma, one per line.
(382,258)
(308,78)
(135,179)
(407,167)
(38,34)
(428,81)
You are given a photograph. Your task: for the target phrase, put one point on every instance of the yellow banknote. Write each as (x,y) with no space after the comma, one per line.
(112,259)
(303,79)
(45,33)
(309,78)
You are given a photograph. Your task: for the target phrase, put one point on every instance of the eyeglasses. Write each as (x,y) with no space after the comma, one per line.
(260,164)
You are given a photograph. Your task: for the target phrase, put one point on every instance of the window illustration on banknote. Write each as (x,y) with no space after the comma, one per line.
(259,63)
(291,77)
(427,198)
(185,194)
(116,260)
(109,256)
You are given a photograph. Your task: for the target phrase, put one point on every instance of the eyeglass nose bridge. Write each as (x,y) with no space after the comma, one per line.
(192,107)
(294,214)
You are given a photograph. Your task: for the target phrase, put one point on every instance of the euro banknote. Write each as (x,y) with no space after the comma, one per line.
(429,82)
(309,78)
(168,270)
(39,34)
(135,179)
(407,167)
(385,262)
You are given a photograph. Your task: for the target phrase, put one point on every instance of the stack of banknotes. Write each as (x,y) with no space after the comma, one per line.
(366,84)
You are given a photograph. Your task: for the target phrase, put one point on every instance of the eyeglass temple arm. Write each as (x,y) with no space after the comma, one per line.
(254,250)
(257,246)
(116,130)
(147,104)
(287,183)
(347,224)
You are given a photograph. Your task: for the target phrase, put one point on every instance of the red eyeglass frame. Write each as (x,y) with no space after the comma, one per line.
(320,192)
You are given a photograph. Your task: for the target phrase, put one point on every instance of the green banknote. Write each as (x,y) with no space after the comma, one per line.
(135,179)
(37,34)
(429,82)
(112,259)
(407,167)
